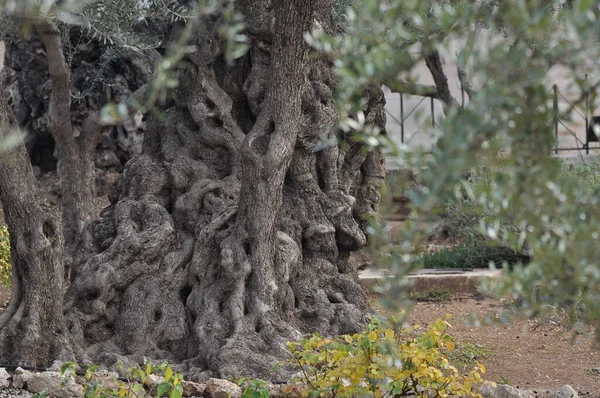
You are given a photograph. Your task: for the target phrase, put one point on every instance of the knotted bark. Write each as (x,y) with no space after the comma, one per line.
(231,233)
(32,329)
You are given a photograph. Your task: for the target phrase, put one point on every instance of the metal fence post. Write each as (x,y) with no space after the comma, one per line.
(432,123)
(555,113)
(401,118)
(587,120)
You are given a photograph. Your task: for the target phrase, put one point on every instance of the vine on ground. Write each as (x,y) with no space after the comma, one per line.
(385,360)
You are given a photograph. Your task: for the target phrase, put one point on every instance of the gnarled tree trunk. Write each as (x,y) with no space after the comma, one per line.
(32,329)
(231,233)
(41,84)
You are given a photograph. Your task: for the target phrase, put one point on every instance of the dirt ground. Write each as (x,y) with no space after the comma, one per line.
(528,354)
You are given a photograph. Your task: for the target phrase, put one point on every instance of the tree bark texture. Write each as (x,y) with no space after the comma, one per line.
(98,78)
(32,329)
(231,233)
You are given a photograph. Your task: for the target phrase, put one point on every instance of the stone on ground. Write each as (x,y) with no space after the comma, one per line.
(14,393)
(565,391)
(54,385)
(4,379)
(219,388)
(192,389)
(502,391)
(20,378)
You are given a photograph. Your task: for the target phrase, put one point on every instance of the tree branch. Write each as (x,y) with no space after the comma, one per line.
(403,87)
(434,64)
(60,99)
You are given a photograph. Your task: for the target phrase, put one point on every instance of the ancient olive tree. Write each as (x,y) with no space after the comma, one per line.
(32,328)
(232,231)
(58,62)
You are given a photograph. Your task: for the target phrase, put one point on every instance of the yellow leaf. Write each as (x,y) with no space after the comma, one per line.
(148,368)
(389,334)
(450,346)
(348,338)
(481,367)
(168,374)
(122,392)
(372,336)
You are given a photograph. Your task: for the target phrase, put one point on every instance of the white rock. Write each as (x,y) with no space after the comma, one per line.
(4,379)
(502,391)
(54,385)
(153,380)
(192,389)
(565,391)
(219,388)
(107,379)
(20,378)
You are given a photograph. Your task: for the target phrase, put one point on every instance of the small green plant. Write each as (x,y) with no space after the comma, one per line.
(435,294)
(41,394)
(466,354)
(133,386)
(5,262)
(384,361)
(255,388)
(504,380)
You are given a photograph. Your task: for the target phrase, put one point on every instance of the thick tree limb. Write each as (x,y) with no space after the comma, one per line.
(60,101)
(76,164)
(403,87)
(76,169)
(32,329)
(434,64)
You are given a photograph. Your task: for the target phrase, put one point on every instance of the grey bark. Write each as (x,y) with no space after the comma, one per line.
(96,75)
(76,166)
(434,64)
(32,329)
(231,233)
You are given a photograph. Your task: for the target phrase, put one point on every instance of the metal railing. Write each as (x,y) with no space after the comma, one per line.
(582,113)
(586,117)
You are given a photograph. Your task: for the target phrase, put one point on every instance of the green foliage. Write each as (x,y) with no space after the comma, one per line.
(473,254)
(5,261)
(466,355)
(133,385)
(385,360)
(527,203)
(435,294)
(255,388)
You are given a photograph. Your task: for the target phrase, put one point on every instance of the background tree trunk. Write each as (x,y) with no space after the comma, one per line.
(231,233)
(99,74)
(32,329)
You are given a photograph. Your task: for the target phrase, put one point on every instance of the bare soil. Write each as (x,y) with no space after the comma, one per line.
(535,355)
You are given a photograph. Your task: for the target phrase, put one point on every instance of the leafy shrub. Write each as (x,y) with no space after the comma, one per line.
(255,388)
(5,264)
(473,254)
(384,361)
(133,385)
